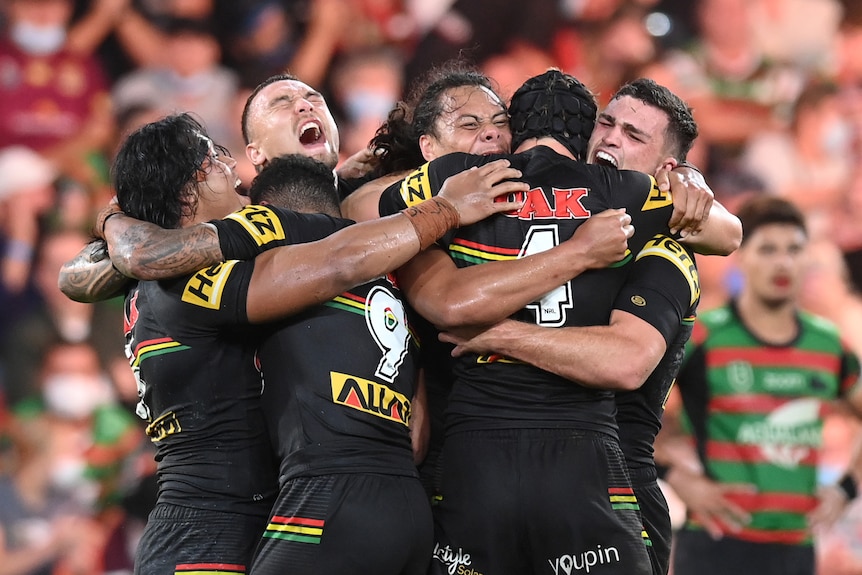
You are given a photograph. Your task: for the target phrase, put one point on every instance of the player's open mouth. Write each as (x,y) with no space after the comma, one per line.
(310,133)
(605,159)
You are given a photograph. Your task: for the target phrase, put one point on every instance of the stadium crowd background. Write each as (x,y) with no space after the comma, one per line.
(776,87)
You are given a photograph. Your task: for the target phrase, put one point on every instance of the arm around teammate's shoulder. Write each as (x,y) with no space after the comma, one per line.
(290,278)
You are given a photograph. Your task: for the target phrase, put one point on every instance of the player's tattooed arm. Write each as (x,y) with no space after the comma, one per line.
(90,276)
(148,252)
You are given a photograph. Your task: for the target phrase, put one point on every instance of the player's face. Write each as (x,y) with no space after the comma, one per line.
(629,135)
(473,121)
(772,261)
(289,117)
(221,178)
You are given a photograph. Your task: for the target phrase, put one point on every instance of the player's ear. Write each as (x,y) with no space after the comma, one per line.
(255,155)
(428,146)
(667,163)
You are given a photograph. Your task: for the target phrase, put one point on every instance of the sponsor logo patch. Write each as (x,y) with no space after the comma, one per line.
(370,397)
(205,288)
(261,223)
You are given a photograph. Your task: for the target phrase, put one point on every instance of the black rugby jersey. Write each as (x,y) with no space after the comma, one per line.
(498,393)
(338,377)
(663,289)
(192,353)
(339,385)
(199,390)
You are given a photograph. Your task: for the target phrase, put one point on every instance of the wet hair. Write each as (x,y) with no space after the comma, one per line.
(761,211)
(396,143)
(155,167)
(554,104)
(245,110)
(681,128)
(298,183)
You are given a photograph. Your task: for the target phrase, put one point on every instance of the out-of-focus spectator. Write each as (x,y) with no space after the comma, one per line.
(55,318)
(846,231)
(811,163)
(798,32)
(606,54)
(55,101)
(266,37)
(41,531)
(827,291)
(720,278)
(100,433)
(365,86)
(734,90)
(26,193)
(189,79)
(464,31)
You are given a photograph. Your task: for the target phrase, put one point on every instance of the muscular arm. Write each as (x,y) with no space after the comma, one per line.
(449,296)
(290,278)
(720,236)
(708,227)
(588,355)
(148,252)
(90,276)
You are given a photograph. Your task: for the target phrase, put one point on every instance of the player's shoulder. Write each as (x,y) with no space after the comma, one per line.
(426,181)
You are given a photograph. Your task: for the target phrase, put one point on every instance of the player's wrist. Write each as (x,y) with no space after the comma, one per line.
(106,213)
(431,219)
(686,164)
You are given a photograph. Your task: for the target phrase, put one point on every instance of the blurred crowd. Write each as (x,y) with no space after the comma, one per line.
(776,88)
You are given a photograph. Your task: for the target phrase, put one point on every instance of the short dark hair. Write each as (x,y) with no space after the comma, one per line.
(298,183)
(762,210)
(681,129)
(396,143)
(253,95)
(155,166)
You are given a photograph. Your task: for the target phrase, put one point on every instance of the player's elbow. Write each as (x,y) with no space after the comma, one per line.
(130,263)
(451,315)
(70,289)
(634,363)
(629,376)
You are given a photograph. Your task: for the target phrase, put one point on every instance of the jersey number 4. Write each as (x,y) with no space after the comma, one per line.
(551,309)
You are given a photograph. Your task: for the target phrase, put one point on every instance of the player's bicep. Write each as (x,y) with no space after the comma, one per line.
(216,296)
(663,286)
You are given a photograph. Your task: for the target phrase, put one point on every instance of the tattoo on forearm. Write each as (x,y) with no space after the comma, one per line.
(90,276)
(164,256)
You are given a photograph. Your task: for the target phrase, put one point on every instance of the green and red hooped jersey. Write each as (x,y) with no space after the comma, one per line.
(756,413)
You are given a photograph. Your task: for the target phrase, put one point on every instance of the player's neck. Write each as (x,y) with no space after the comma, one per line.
(770,322)
(544,141)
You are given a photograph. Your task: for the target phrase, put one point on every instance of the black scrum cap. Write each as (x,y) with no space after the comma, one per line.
(557,105)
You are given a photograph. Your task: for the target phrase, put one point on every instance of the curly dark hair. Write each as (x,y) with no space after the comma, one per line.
(396,143)
(156,168)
